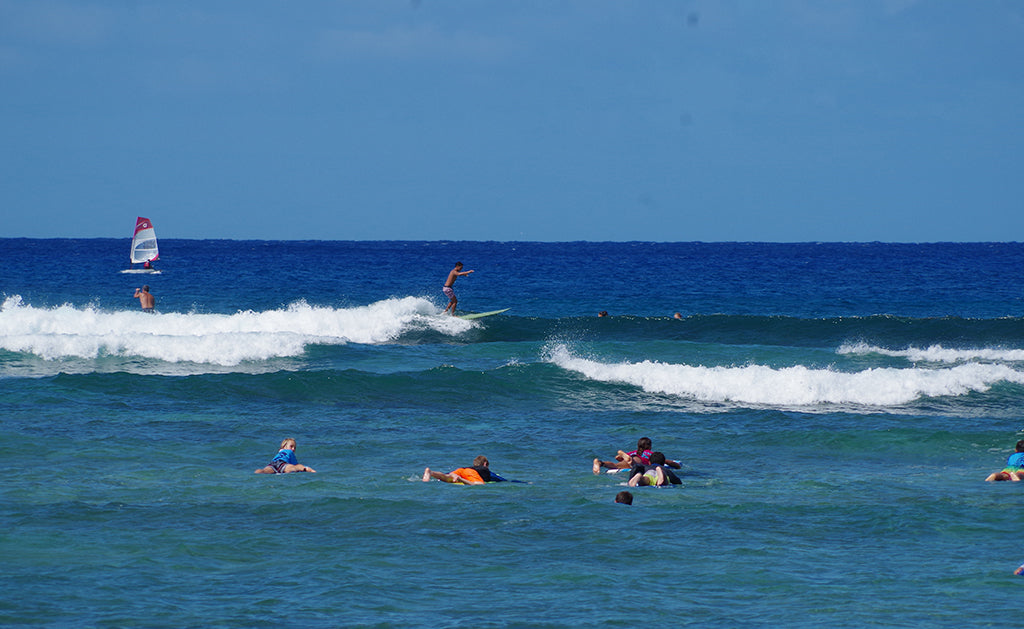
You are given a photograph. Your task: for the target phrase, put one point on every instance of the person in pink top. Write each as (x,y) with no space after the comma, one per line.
(626,460)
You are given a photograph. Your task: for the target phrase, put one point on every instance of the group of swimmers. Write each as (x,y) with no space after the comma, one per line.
(646,468)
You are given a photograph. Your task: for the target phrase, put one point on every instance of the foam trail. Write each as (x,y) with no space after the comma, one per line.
(226,340)
(937,353)
(791,386)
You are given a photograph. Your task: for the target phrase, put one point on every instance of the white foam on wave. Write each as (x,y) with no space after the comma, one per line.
(220,339)
(790,386)
(936,353)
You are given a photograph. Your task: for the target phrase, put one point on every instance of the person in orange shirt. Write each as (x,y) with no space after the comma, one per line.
(477,474)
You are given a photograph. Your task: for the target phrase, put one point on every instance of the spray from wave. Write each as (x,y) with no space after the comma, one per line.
(796,386)
(226,340)
(937,353)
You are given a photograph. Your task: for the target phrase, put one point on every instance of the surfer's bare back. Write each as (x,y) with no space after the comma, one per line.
(146,299)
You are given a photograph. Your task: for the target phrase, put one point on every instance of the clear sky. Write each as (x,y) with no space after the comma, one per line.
(554,120)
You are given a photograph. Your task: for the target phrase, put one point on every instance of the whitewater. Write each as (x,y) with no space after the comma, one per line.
(796,386)
(217,339)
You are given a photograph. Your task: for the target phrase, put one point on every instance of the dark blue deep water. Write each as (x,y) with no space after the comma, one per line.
(836,408)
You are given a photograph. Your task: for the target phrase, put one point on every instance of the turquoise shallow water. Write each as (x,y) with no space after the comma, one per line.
(836,408)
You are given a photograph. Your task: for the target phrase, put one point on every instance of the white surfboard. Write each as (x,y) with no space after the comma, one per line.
(477,315)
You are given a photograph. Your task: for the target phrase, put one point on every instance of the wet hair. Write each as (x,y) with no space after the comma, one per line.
(624,497)
(657,458)
(146,288)
(458,264)
(286,442)
(1020,446)
(481,460)
(643,443)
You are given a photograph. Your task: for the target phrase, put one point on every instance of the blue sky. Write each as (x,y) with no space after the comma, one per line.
(788,120)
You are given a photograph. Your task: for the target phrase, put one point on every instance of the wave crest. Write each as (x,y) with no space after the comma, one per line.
(227,340)
(796,386)
(937,353)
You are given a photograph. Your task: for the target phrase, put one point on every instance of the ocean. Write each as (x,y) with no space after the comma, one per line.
(835,408)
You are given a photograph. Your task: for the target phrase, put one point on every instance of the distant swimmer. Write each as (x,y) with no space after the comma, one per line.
(477,474)
(603,313)
(677,316)
(146,300)
(624,498)
(1014,469)
(449,292)
(285,462)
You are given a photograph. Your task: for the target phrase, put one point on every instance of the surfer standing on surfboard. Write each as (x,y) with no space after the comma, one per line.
(449,291)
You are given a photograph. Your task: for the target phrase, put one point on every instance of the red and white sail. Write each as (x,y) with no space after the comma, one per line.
(144,247)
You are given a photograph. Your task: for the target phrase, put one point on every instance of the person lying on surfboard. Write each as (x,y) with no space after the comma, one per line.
(656,473)
(448,291)
(285,461)
(627,460)
(478,474)
(1014,469)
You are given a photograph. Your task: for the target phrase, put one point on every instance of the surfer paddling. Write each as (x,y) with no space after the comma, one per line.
(478,474)
(146,300)
(285,461)
(449,292)
(1014,469)
(655,473)
(628,460)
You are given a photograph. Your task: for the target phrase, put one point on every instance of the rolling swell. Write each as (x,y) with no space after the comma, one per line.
(511,385)
(882,330)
